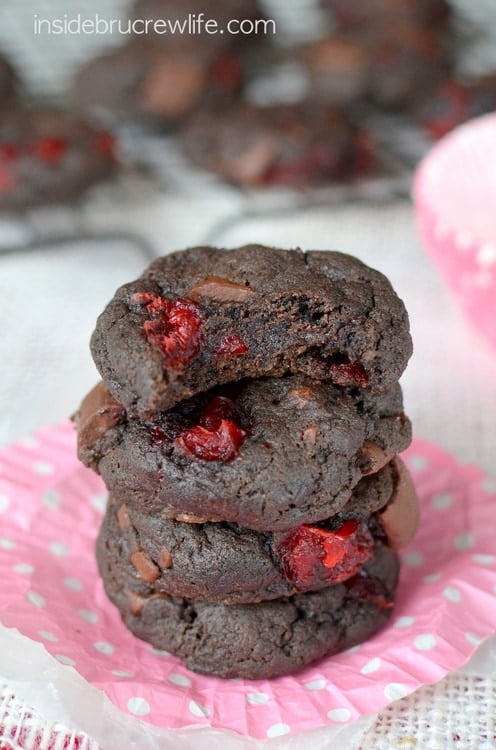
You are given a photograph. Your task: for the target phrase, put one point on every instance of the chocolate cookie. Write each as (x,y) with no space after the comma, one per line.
(404,61)
(146,83)
(255,641)
(202,317)
(359,14)
(338,68)
(225,563)
(297,145)
(268,454)
(189,21)
(455,101)
(49,156)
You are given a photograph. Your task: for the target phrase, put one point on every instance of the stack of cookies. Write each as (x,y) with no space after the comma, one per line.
(247,428)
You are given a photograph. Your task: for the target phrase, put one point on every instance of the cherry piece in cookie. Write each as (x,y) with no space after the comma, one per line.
(311,552)
(7,179)
(105,143)
(217,437)
(51,156)
(348,374)
(9,151)
(370,590)
(174,328)
(227,72)
(50,150)
(231,345)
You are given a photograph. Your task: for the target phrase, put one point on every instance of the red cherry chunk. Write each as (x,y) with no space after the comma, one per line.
(218,409)
(105,143)
(349,374)
(175,327)
(228,72)
(9,151)
(7,179)
(217,437)
(231,346)
(50,149)
(310,554)
(450,108)
(370,590)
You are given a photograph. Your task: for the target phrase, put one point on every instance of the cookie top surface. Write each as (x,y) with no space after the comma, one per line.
(151,84)
(203,317)
(48,156)
(267,454)
(295,145)
(225,563)
(255,641)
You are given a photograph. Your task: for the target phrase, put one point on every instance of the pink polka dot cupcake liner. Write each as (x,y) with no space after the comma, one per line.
(50,511)
(454,191)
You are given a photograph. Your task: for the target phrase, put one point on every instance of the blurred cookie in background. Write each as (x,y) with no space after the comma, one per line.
(294,145)
(338,69)
(50,156)
(8,84)
(145,83)
(188,20)
(404,60)
(454,101)
(364,13)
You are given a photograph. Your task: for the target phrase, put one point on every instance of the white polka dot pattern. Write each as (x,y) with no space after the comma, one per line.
(197,709)
(4,503)
(371,666)
(316,685)
(43,468)
(395,690)
(339,715)
(138,706)
(425,642)
(55,597)
(179,679)
(257,699)
(278,730)
(452,594)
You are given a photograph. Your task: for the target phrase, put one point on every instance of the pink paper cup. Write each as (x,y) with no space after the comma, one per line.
(454,192)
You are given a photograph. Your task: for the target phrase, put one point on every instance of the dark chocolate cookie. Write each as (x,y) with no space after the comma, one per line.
(297,145)
(146,83)
(225,563)
(255,641)
(405,60)
(49,156)
(268,454)
(359,14)
(454,101)
(338,69)
(189,22)
(203,317)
